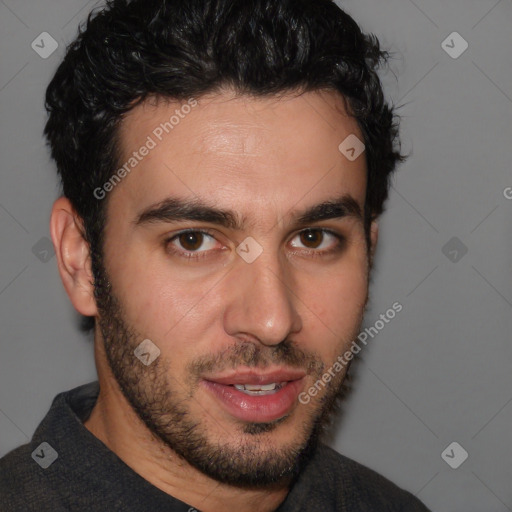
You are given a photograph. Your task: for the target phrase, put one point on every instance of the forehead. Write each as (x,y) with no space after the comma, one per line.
(239,151)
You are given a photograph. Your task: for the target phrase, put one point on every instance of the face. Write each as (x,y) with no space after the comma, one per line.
(236,245)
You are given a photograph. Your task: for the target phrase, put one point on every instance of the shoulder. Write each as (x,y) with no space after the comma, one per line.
(22,486)
(345,484)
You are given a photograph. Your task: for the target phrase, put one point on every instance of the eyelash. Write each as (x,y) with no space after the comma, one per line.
(338,247)
(192,255)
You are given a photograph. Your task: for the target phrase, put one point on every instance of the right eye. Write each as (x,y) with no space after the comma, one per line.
(191,242)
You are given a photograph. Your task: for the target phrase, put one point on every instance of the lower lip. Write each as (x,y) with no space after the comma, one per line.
(256,409)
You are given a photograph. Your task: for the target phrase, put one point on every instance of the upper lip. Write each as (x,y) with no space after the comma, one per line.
(254,377)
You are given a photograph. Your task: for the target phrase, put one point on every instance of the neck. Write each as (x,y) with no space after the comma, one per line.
(115,423)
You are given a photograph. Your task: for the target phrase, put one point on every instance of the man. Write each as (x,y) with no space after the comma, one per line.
(223,164)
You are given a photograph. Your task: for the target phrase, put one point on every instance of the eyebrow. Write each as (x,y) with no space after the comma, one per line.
(173,209)
(344,206)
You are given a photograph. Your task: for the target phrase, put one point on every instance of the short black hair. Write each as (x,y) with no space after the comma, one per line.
(129,51)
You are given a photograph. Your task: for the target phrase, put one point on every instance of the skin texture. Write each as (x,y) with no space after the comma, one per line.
(296,306)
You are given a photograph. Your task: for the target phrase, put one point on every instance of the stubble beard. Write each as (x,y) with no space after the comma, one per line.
(163,404)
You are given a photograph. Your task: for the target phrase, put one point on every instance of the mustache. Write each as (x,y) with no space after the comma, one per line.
(254,355)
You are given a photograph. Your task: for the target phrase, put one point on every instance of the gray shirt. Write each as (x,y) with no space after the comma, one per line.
(66,468)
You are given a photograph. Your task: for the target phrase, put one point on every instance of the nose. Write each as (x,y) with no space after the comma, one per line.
(262,304)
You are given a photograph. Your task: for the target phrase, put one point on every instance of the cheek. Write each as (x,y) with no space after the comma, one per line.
(160,304)
(334,304)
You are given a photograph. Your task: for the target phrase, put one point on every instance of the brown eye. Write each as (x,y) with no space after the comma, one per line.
(191,241)
(311,238)
(319,241)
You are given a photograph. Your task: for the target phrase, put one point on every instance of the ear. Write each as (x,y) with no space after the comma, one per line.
(374,237)
(73,256)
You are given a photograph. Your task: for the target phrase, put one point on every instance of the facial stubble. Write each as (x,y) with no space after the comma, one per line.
(164,404)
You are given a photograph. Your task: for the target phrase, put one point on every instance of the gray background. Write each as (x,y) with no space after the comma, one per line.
(437,373)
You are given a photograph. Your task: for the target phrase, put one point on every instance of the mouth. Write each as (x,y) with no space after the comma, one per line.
(260,389)
(256,397)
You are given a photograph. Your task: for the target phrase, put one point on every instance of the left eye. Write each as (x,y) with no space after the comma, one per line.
(317,239)
(193,241)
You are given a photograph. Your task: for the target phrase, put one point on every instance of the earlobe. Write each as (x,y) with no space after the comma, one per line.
(73,256)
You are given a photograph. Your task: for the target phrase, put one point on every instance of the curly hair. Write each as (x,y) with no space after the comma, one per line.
(131,50)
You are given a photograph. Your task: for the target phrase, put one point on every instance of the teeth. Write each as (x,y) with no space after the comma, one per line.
(261,387)
(257,388)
